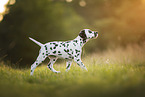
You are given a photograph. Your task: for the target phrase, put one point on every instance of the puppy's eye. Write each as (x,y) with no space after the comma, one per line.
(90,31)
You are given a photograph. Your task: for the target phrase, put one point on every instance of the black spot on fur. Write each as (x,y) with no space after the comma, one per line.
(69,54)
(77,51)
(71,57)
(55,44)
(82,64)
(79,64)
(67,45)
(54,52)
(80,43)
(84,41)
(66,50)
(49,66)
(90,31)
(50,48)
(68,66)
(45,47)
(78,54)
(75,41)
(78,59)
(63,45)
(52,55)
(67,41)
(59,52)
(74,44)
(83,35)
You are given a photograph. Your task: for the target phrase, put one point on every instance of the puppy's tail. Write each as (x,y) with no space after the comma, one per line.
(40,44)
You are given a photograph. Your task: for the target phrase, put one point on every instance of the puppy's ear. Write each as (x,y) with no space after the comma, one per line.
(82,34)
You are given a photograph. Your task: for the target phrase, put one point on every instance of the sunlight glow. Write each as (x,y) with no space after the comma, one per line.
(3,7)
(143,1)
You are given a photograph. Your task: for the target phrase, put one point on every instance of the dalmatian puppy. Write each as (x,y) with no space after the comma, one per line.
(69,50)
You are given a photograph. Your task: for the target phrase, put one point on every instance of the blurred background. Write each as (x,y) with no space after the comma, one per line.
(119,22)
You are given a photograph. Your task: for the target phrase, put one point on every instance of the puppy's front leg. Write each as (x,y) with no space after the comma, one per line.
(50,64)
(80,63)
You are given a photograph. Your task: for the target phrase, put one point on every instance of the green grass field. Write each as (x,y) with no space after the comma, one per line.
(113,73)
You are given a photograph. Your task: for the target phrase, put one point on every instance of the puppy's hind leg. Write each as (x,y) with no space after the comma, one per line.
(68,64)
(39,60)
(50,64)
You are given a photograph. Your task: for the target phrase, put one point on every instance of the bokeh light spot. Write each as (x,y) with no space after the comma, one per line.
(68,0)
(11,2)
(82,3)
(1,17)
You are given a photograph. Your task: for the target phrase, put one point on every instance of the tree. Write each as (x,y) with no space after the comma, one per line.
(44,20)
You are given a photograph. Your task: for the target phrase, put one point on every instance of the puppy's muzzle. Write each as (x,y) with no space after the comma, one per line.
(96,34)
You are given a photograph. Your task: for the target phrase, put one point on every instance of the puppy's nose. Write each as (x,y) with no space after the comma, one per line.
(96,33)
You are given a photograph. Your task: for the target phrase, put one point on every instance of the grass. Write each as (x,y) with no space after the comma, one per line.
(113,73)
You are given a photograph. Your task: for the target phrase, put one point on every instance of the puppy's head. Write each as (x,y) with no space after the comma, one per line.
(88,34)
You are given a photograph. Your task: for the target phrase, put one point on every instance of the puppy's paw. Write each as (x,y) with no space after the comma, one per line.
(57,72)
